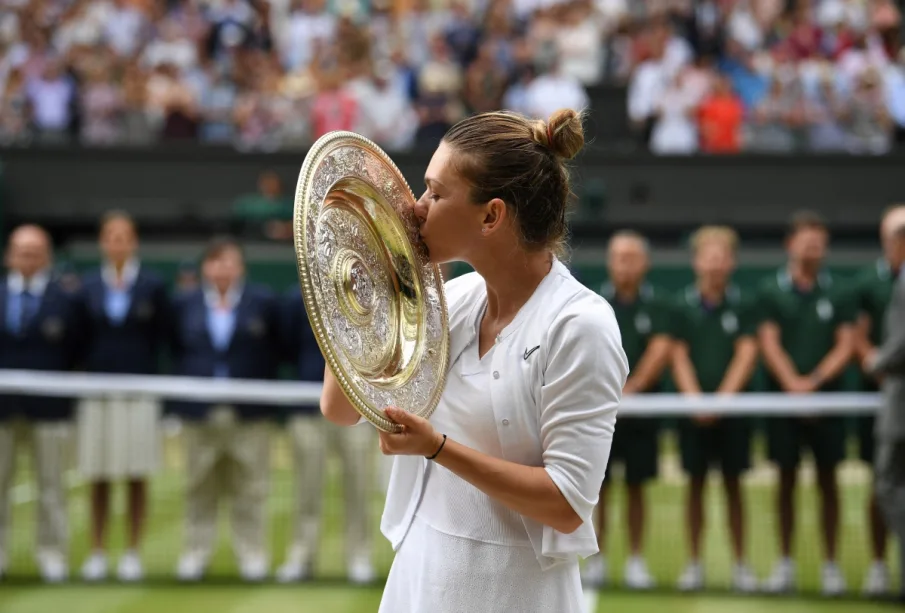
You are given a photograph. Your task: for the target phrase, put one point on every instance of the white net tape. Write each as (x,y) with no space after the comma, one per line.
(291,393)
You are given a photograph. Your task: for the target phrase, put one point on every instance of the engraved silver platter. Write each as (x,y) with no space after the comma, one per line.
(374,299)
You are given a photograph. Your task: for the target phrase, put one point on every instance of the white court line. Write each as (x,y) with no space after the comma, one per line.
(590,600)
(25,493)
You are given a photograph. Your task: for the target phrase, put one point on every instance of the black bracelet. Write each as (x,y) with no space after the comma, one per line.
(440,449)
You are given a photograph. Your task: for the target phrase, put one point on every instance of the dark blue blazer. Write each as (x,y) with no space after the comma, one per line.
(133,346)
(300,347)
(253,353)
(52,342)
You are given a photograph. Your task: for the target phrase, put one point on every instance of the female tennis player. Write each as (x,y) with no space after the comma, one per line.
(490,502)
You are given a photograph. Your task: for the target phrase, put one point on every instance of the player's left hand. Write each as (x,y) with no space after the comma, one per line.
(418,436)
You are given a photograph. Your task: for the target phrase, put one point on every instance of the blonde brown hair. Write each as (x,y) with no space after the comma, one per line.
(522,162)
(117,215)
(714,234)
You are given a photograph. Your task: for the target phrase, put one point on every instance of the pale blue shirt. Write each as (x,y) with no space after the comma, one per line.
(117,300)
(221,323)
(17,299)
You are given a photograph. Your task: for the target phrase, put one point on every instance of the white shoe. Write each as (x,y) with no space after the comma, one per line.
(253,568)
(637,577)
(743,579)
(782,579)
(191,567)
(53,567)
(361,571)
(95,567)
(692,578)
(593,573)
(832,581)
(130,568)
(293,570)
(876,582)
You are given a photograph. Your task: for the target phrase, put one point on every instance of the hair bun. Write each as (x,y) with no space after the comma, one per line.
(563,133)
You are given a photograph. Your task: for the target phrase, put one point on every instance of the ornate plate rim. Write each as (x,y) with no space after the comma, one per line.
(299,235)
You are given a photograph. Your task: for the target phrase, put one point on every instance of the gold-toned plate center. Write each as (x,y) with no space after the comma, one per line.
(371,267)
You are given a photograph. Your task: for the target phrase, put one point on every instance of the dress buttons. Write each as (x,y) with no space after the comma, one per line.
(496,374)
(505,422)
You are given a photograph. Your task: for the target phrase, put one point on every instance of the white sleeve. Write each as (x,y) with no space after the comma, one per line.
(585,373)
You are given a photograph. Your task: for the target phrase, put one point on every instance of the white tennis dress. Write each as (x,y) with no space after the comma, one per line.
(457,549)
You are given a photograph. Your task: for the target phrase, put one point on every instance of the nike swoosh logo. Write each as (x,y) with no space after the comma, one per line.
(528,353)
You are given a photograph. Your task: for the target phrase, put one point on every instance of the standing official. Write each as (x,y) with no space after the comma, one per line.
(715,352)
(226,329)
(40,330)
(126,306)
(873,292)
(806,336)
(888,363)
(311,438)
(644,323)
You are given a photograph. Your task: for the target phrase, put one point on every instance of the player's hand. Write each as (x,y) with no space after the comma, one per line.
(801,385)
(705,420)
(418,436)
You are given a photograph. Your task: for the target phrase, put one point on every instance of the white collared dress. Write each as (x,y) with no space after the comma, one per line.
(464,552)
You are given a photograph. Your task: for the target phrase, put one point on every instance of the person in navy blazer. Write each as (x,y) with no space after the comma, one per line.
(126,309)
(40,329)
(227,328)
(311,439)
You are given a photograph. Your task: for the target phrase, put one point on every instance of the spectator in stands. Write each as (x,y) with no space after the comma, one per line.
(825,114)
(126,28)
(461,32)
(385,114)
(578,42)
(485,82)
(127,316)
(137,122)
(227,329)
(41,330)
(869,122)
(334,107)
(720,119)
(675,130)
(552,89)
(439,84)
(313,441)
(266,213)
(806,337)
(51,96)
(644,320)
(216,106)
(308,24)
(774,119)
(715,352)
(102,105)
(873,291)
(14,110)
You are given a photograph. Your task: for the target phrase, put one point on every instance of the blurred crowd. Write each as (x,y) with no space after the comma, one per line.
(702,75)
(773,76)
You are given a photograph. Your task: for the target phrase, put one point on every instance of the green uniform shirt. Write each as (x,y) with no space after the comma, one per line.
(639,321)
(873,293)
(711,331)
(807,320)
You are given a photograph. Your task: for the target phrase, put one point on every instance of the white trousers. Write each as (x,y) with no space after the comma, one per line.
(227,459)
(50,443)
(312,439)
